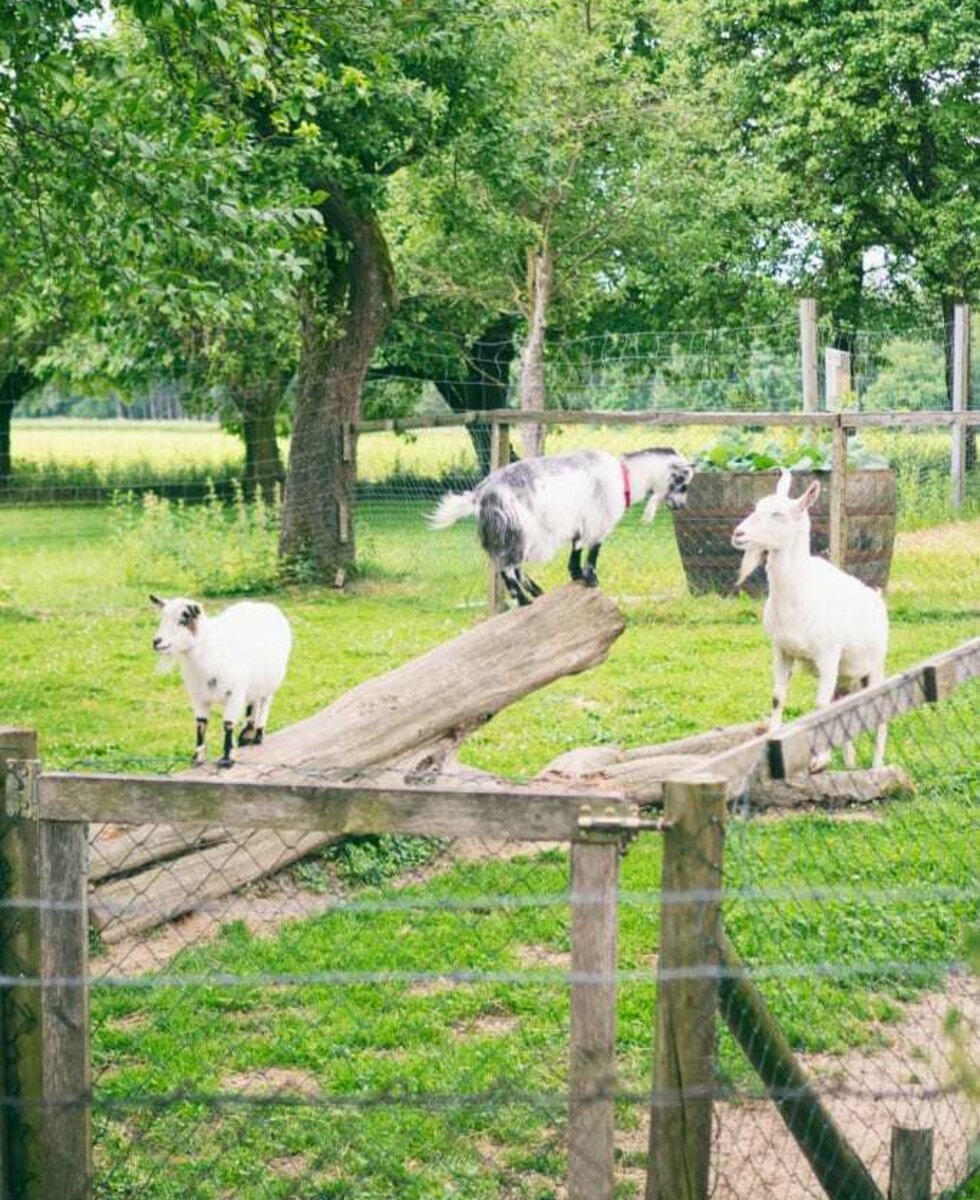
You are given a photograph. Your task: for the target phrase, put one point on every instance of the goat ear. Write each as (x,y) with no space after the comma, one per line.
(750,560)
(809,497)
(651,509)
(785,482)
(157,601)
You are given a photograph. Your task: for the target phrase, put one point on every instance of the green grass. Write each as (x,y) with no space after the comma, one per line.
(75,630)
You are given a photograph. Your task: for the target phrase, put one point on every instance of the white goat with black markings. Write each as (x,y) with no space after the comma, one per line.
(527,510)
(816,613)
(234,661)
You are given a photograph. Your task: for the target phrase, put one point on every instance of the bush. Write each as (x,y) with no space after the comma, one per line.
(215,548)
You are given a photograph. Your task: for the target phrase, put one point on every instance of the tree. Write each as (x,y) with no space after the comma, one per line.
(865,113)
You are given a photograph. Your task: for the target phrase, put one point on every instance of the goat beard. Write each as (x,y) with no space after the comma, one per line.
(165,664)
(750,560)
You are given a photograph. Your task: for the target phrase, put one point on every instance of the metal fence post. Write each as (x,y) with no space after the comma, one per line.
(687,991)
(47,1136)
(592,1067)
(499,457)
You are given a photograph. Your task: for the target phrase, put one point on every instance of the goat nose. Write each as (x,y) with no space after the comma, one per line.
(156,643)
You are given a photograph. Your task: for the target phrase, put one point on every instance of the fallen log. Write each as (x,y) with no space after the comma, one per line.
(832,789)
(438,700)
(134,903)
(123,849)
(399,728)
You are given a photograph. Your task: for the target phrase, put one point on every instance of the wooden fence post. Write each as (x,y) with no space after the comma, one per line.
(910,1176)
(687,991)
(499,457)
(838,381)
(961,399)
(46,1063)
(808,355)
(592,1067)
(838,494)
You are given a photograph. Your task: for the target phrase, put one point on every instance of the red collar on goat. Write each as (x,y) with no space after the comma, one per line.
(627,494)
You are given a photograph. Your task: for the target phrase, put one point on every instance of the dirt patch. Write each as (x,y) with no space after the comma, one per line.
(909,1082)
(543,958)
(272,1081)
(290,1166)
(490,1025)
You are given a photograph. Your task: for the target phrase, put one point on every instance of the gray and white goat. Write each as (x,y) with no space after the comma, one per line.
(526,511)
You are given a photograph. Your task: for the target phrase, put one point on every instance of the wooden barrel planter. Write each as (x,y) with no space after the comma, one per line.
(718,501)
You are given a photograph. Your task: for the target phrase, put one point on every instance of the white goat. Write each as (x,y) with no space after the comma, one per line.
(816,614)
(235,661)
(527,510)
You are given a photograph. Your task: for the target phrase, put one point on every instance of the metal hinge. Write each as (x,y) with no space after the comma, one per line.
(613,822)
(20,788)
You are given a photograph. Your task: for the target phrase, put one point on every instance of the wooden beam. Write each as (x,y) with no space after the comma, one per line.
(790,749)
(928,418)
(910,1175)
(838,495)
(687,995)
(499,457)
(47,1135)
(592,1067)
(833,1160)
(336,809)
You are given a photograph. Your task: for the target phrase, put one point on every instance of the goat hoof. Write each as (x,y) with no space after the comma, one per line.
(225,763)
(246,737)
(590,579)
(819,762)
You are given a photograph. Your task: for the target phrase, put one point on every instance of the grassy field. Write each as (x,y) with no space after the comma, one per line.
(76,663)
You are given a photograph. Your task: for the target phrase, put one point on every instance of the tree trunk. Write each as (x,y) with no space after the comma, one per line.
(17,382)
(531,390)
(263,464)
(485,386)
(344,308)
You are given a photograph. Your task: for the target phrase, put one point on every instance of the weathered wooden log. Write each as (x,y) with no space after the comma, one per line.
(124,849)
(832,789)
(122,907)
(446,694)
(399,728)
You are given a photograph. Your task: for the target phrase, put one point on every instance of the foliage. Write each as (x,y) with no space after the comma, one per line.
(211,549)
(736,450)
(863,114)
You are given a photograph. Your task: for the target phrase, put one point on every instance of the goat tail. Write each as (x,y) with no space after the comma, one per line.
(452,508)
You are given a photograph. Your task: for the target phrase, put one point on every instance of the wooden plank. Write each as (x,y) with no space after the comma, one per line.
(592,1067)
(65,1026)
(136,903)
(841,1173)
(684,1050)
(927,418)
(710,742)
(46,1064)
(790,749)
(120,850)
(499,457)
(910,1176)
(338,809)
